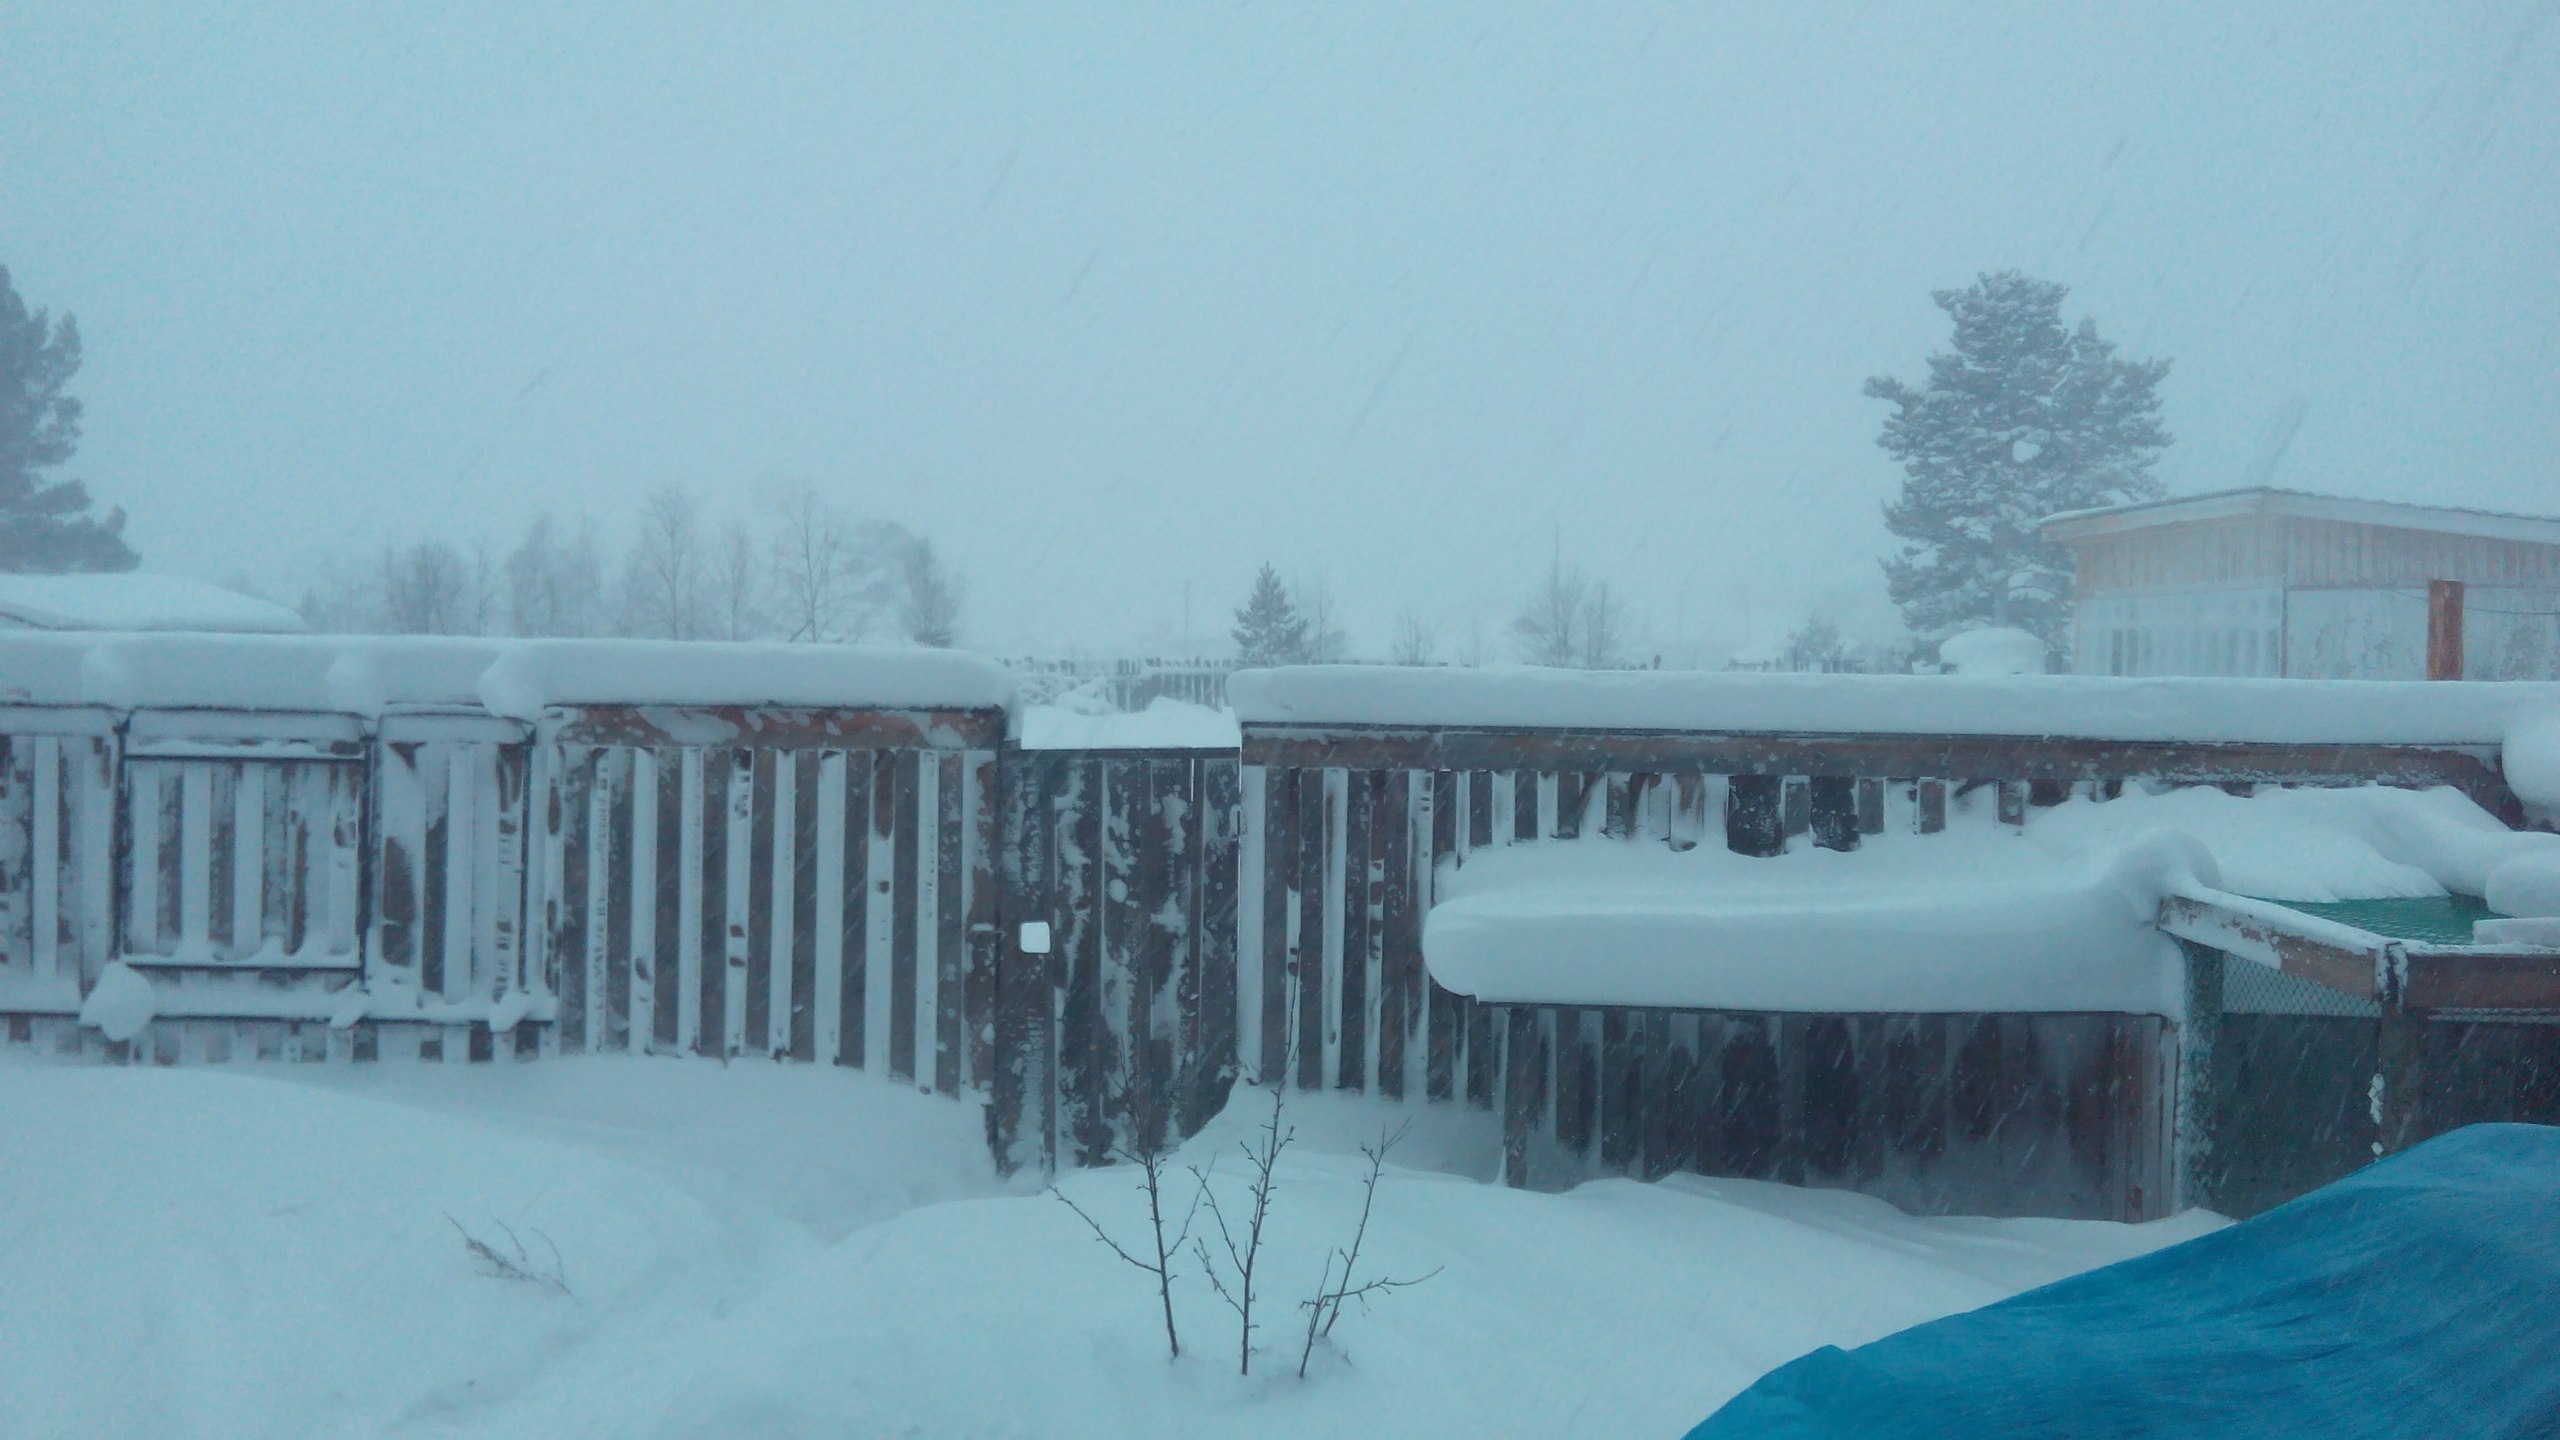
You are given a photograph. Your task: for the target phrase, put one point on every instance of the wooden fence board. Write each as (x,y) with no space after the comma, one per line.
(951,898)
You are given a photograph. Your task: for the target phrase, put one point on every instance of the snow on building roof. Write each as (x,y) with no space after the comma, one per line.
(2181,708)
(2077,525)
(366,675)
(136,601)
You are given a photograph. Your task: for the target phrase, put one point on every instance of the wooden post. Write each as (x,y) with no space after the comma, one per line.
(2444,629)
(2203,1029)
(2400,1047)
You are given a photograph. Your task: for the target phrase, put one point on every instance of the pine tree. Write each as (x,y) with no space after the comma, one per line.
(1269,630)
(2024,418)
(45,526)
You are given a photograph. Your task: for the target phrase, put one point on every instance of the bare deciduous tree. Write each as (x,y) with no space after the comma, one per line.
(735,582)
(1326,644)
(425,589)
(664,582)
(1549,630)
(1148,1148)
(1417,641)
(814,584)
(554,587)
(1604,623)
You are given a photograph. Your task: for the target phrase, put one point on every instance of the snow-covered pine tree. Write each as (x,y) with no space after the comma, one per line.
(2024,418)
(1269,630)
(45,526)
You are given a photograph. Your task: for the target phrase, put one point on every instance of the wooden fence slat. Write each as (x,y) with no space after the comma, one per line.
(1123,1040)
(1279,913)
(950,935)
(879,937)
(1400,931)
(1833,804)
(765,823)
(1440,1052)
(1753,822)
(1929,808)
(617,774)
(1315,847)
(1523,1091)
(1083,1030)
(575,779)
(667,878)
(744,899)
(1218,782)
(1358,900)
(985,943)
(435,866)
(691,929)
(853,935)
(713,765)
(1018,1109)
(800,1032)
(904,939)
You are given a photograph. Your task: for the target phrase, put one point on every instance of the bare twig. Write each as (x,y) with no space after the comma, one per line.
(1326,1307)
(1263,1158)
(1150,1161)
(515,1263)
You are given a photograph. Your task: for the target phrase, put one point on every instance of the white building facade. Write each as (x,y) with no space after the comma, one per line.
(2285,583)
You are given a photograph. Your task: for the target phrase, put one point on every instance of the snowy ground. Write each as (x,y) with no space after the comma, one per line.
(786,1251)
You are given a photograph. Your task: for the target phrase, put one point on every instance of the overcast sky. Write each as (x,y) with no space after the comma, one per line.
(1115,302)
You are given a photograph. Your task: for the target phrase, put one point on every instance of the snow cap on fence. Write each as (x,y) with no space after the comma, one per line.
(2346,712)
(366,675)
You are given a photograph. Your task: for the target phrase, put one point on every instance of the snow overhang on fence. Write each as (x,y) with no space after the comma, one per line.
(2176,710)
(371,675)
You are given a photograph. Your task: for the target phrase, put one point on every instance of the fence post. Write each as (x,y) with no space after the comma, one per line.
(2444,629)
(2192,1173)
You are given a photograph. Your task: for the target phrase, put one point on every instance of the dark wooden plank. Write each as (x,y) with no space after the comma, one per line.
(2012,803)
(1753,822)
(577,775)
(1929,807)
(1524,1068)
(1400,923)
(396,878)
(1524,804)
(1439,1067)
(666,967)
(618,958)
(1747,1138)
(1359,898)
(1619,813)
(1218,781)
(1571,786)
(1832,1103)
(1621,1092)
(172,857)
(2482,980)
(1577,1081)
(1479,809)
(978,990)
(903,919)
(435,864)
(1279,893)
(223,841)
(1315,841)
(1133,1090)
(1480,1056)
(950,954)
(1019,1085)
(803,1017)
(853,947)
(1835,818)
(757,1019)
(1654,1082)
(1678,1101)
(712,1039)
(1085,1032)
(1870,805)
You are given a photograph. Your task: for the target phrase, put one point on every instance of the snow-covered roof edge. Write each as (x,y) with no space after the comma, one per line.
(366,675)
(2343,712)
(138,601)
(2091,524)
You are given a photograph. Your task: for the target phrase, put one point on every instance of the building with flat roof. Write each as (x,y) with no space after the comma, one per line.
(2286,583)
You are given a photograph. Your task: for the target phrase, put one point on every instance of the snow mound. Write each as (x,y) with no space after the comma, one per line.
(1995,650)
(136,601)
(2527,884)
(1165,724)
(2531,755)
(771,1250)
(120,1004)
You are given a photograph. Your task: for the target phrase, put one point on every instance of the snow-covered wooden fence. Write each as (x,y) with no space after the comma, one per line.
(1365,792)
(289,847)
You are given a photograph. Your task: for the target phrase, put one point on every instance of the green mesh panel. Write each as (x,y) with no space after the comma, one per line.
(2434,920)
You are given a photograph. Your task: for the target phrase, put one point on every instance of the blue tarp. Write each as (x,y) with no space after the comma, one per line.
(2418,1297)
